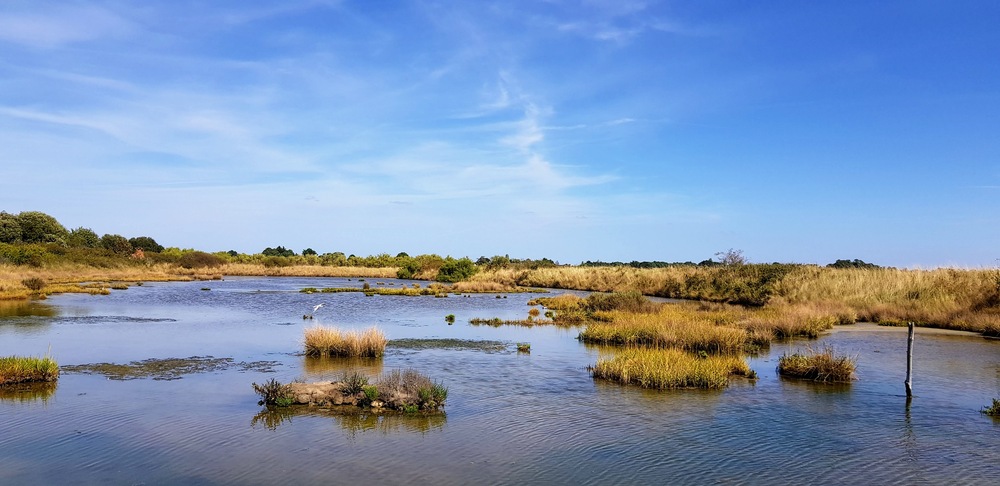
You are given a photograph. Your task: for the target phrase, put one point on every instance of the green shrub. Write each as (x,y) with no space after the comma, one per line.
(199,259)
(33,284)
(354,382)
(38,227)
(272,392)
(22,255)
(453,270)
(117,244)
(992,410)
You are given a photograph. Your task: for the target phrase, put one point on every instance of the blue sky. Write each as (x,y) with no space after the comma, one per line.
(573,130)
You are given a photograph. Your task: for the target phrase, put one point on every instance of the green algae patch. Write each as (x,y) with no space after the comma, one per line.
(168,368)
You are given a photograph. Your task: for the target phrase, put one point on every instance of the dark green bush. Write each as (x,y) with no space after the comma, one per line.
(83,238)
(117,244)
(455,270)
(38,227)
(146,244)
(10,229)
(199,259)
(27,255)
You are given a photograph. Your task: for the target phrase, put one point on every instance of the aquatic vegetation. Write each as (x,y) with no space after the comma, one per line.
(992,410)
(450,318)
(681,327)
(670,368)
(497,322)
(523,347)
(25,369)
(823,366)
(330,341)
(449,343)
(274,393)
(167,368)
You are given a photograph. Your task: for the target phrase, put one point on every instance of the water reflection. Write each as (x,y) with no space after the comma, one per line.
(816,387)
(27,392)
(26,309)
(332,368)
(353,423)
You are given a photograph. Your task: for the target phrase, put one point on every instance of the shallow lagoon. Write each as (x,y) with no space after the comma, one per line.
(511,417)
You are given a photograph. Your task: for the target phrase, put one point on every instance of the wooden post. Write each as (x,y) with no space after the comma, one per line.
(909,360)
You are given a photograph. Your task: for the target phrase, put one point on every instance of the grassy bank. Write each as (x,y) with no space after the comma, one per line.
(21,369)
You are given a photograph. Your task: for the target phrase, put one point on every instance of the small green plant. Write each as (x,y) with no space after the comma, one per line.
(450,318)
(354,382)
(411,408)
(371,393)
(432,397)
(992,410)
(549,314)
(524,347)
(273,392)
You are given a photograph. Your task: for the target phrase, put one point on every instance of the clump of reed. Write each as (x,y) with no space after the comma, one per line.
(670,368)
(497,322)
(330,341)
(25,369)
(823,366)
(669,328)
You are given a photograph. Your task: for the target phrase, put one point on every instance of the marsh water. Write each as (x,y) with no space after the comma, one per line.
(511,418)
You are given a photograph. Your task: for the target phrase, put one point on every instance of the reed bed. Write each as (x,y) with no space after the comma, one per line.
(25,369)
(823,366)
(330,341)
(670,368)
(672,327)
(962,299)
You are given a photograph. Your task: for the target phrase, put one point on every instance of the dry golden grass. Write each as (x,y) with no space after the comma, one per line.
(669,368)
(330,341)
(673,327)
(822,366)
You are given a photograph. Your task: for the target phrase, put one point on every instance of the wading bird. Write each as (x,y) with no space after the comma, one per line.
(315,308)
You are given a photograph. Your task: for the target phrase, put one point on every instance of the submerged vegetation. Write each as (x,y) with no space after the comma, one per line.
(330,341)
(27,369)
(992,410)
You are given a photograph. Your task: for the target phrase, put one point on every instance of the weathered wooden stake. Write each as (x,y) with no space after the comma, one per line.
(909,360)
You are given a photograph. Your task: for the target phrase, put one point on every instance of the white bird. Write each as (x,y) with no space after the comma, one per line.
(316,307)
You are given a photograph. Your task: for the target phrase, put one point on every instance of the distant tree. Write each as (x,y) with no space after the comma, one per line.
(10,229)
(116,244)
(83,238)
(455,270)
(852,264)
(402,254)
(233,253)
(279,251)
(145,243)
(309,251)
(38,227)
(731,257)
(408,269)
(708,263)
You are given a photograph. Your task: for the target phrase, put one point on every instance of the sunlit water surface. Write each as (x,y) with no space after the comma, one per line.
(512,418)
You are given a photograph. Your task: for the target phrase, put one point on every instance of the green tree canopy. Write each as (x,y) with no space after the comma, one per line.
(116,244)
(454,270)
(146,244)
(83,238)
(38,227)
(10,229)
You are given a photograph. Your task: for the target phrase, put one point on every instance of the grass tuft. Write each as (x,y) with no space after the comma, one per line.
(992,410)
(670,368)
(21,369)
(823,366)
(330,341)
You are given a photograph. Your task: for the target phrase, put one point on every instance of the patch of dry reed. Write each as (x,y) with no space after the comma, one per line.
(669,368)
(822,366)
(330,341)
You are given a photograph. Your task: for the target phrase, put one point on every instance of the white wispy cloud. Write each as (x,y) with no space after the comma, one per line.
(57,25)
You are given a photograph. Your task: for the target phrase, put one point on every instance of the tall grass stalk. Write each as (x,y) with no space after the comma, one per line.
(330,341)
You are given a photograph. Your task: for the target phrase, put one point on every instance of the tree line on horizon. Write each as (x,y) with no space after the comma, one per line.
(38,228)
